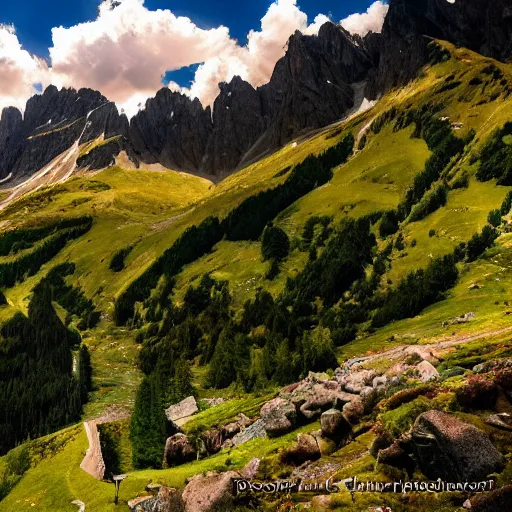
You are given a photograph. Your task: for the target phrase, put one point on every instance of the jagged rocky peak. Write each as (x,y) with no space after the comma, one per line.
(54,106)
(238,121)
(311,86)
(9,123)
(343,48)
(172,130)
(53,122)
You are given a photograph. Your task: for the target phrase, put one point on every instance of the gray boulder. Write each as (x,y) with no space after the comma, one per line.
(278,416)
(178,450)
(369,397)
(212,491)
(427,372)
(354,411)
(254,431)
(497,364)
(502,420)
(498,500)
(167,499)
(380,382)
(395,456)
(334,425)
(183,409)
(450,449)
(304,449)
(354,382)
(311,397)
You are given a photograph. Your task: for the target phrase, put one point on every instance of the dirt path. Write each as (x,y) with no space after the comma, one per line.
(93,462)
(401,350)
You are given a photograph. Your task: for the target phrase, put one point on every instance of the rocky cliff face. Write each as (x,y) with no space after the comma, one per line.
(311,84)
(9,123)
(172,130)
(310,87)
(52,123)
(484,26)
(238,122)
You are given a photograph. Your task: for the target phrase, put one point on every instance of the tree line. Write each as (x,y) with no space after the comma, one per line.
(28,264)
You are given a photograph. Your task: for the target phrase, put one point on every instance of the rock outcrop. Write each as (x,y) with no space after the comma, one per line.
(304,449)
(334,425)
(238,122)
(184,409)
(167,499)
(278,416)
(212,491)
(172,130)
(53,122)
(311,86)
(9,123)
(441,444)
(499,499)
(178,450)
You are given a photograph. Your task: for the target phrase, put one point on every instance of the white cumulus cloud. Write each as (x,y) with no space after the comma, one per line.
(19,71)
(369,21)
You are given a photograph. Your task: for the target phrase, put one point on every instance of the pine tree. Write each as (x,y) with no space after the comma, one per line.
(85,372)
(275,243)
(149,427)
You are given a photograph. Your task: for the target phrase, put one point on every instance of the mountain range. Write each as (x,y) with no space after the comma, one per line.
(316,83)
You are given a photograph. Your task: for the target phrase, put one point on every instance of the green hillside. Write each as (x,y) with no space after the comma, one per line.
(186,292)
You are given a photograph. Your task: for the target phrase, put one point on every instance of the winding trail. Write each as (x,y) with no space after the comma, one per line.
(401,350)
(93,462)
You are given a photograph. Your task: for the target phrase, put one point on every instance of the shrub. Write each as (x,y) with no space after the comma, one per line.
(400,242)
(389,224)
(275,244)
(18,461)
(273,270)
(494,218)
(317,351)
(118,260)
(344,335)
(309,228)
(507,204)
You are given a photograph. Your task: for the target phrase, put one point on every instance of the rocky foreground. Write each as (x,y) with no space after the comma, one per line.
(419,419)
